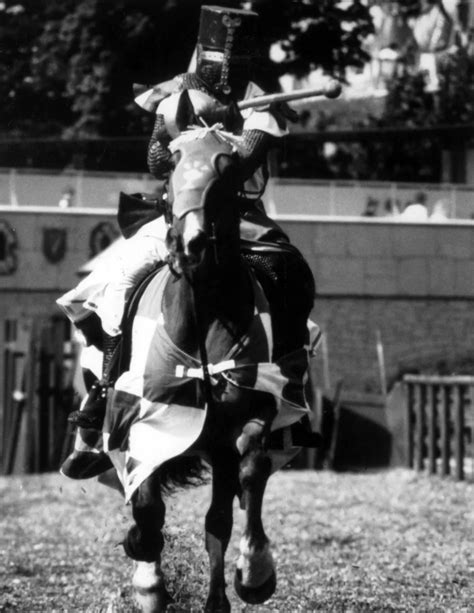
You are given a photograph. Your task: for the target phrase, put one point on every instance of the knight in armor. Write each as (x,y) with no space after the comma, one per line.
(225,56)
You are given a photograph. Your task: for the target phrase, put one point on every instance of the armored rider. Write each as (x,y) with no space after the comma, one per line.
(225,57)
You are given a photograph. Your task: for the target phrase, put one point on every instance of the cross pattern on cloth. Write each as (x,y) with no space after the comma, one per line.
(158,409)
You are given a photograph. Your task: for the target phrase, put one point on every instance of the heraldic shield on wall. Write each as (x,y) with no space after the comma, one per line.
(54,244)
(8,249)
(101,237)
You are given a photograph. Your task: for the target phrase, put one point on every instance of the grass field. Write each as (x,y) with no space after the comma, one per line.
(388,541)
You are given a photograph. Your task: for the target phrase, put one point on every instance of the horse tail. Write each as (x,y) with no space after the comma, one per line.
(183,471)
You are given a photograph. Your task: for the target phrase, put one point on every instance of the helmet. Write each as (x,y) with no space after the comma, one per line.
(225,47)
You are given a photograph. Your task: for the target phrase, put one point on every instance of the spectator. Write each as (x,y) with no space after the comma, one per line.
(416,209)
(440,211)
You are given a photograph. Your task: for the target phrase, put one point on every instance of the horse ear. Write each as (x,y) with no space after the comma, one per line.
(227,167)
(185,113)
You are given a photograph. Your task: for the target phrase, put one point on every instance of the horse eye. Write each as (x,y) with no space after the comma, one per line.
(222,163)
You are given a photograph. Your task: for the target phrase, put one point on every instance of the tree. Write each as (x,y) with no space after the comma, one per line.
(314,34)
(24,105)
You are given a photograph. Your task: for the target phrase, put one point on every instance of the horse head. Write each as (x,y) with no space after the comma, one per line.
(203,191)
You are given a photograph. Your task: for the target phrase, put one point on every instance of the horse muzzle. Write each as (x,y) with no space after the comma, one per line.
(194,238)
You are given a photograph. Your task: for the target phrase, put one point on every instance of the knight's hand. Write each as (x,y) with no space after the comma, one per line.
(226,114)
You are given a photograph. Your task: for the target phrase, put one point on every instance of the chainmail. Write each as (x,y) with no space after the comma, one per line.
(257,143)
(159,156)
(190,80)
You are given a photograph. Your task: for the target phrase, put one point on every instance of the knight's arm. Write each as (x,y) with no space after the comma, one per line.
(159,156)
(257,144)
(261,131)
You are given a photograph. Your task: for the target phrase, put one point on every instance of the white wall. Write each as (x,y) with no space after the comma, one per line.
(283,196)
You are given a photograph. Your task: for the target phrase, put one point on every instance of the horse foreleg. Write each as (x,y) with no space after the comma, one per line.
(218,525)
(255,578)
(144,544)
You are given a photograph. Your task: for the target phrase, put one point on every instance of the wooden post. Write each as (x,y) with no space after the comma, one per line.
(444,430)
(419,425)
(458,415)
(331,459)
(431,399)
(409,423)
(31,391)
(58,366)
(17,444)
(381,363)
(8,374)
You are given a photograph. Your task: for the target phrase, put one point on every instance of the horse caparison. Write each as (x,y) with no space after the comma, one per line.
(208,304)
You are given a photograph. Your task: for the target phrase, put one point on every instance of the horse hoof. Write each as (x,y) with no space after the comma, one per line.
(153,602)
(149,588)
(254,595)
(217,605)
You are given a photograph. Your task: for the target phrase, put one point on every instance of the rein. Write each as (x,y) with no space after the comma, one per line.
(207,385)
(232,142)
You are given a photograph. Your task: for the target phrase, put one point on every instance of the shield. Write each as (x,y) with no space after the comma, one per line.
(54,244)
(102,235)
(8,249)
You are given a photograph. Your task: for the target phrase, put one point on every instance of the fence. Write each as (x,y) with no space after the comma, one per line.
(37,366)
(440,423)
(39,387)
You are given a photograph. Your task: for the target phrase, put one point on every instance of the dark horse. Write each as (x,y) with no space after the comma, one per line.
(208,311)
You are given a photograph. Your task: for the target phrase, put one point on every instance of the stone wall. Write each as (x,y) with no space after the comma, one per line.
(408,286)
(49,248)
(414,333)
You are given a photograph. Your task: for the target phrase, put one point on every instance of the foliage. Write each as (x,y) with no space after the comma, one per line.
(316,33)
(67,67)
(409,104)
(455,98)
(20,25)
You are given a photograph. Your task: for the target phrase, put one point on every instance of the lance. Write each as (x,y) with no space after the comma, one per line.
(149,99)
(331,89)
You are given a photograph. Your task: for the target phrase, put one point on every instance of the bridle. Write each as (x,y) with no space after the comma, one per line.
(174,214)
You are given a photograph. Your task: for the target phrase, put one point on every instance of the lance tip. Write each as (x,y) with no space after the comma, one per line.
(332,89)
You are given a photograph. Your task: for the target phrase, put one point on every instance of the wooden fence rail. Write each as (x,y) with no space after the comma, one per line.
(440,423)
(37,362)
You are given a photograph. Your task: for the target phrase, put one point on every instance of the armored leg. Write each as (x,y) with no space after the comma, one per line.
(91,415)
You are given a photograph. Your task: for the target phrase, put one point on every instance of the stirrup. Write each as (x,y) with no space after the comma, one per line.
(92,414)
(87,422)
(85,464)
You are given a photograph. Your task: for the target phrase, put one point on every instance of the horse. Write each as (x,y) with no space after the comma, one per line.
(200,343)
